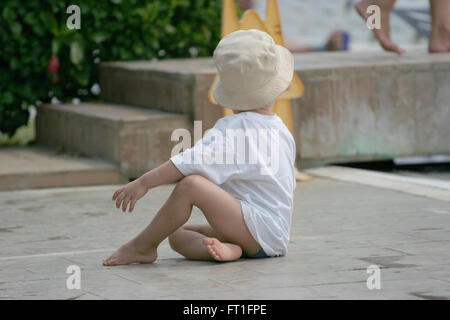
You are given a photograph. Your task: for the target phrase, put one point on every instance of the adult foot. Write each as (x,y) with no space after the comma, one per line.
(129,253)
(221,251)
(383,34)
(439,39)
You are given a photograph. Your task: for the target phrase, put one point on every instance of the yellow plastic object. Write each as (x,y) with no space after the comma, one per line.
(230,20)
(273,21)
(251,20)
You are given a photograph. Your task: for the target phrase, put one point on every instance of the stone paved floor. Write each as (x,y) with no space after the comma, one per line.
(339,229)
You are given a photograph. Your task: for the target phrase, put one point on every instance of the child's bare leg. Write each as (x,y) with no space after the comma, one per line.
(221,209)
(189,243)
(201,242)
(196,244)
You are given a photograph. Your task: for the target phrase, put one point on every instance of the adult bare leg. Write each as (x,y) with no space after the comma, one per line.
(383,34)
(439,41)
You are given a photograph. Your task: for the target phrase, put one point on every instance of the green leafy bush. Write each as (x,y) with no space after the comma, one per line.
(33,31)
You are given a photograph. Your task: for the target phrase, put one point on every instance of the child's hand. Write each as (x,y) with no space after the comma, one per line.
(130,194)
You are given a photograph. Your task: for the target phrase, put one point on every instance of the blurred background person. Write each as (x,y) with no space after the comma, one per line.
(316,25)
(439,39)
(336,41)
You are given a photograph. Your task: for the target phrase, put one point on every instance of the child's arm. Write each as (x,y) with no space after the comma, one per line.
(164,174)
(133,191)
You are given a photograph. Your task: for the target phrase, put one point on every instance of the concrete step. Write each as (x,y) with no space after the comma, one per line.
(356,106)
(136,139)
(38,167)
(174,85)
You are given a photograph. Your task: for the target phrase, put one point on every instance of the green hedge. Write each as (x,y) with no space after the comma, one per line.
(33,31)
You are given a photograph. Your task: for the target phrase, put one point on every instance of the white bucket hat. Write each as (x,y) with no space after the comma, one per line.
(253,70)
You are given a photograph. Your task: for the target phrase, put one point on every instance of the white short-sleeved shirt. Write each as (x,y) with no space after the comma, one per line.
(251,156)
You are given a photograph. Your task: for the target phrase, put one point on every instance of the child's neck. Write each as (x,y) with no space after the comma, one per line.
(263,110)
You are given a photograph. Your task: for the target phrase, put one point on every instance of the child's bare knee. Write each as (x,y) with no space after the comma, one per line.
(174,240)
(189,184)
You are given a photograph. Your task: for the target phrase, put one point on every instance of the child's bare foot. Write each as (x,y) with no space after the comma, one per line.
(128,253)
(383,34)
(222,251)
